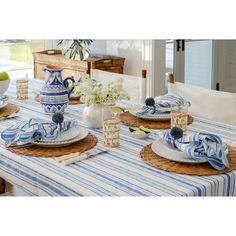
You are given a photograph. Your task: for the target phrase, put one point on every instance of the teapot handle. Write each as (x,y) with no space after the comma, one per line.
(66,84)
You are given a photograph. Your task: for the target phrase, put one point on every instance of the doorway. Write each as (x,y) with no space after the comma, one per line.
(192,61)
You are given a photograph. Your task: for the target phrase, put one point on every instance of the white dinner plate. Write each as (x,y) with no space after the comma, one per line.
(157,117)
(81,133)
(163,149)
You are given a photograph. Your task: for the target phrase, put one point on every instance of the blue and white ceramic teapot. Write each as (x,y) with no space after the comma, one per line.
(54,96)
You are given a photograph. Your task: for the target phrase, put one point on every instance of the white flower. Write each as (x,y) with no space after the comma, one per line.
(96,90)
(82,98)
(92,93)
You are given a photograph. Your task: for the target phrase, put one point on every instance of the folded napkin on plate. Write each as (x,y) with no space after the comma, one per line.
(164,101)
(34,130)
(83,79)
(202,146)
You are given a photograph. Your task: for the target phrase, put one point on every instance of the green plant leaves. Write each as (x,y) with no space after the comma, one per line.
(78,46)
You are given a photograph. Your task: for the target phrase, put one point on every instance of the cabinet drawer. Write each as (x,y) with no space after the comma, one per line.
(40,74)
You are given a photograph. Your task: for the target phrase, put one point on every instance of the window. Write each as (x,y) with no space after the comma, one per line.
(16,58)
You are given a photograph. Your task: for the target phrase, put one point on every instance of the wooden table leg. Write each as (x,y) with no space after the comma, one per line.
(2,185)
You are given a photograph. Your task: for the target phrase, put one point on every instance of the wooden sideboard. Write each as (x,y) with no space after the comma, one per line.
(75,67)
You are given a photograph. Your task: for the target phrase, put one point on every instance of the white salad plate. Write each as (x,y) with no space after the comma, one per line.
(64,139)
(163,149)
(157,117)
(3,101)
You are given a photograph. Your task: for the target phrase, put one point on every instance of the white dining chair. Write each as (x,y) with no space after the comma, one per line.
(134,85)
(206,103)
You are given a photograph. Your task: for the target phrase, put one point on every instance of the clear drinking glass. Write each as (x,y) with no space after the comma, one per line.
(111,130)
(22,89)
(179,117)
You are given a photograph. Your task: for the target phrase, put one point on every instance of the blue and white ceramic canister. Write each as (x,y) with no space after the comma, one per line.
(54,96)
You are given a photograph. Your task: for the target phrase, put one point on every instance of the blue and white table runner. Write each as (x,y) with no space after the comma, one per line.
(119,172)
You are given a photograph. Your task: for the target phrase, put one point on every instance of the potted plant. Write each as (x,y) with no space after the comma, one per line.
(76,49)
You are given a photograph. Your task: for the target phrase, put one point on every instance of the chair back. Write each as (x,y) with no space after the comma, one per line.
(135,86)
(206,103)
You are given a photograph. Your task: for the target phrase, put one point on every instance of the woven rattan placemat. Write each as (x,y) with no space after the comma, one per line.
(151,158)
(132,120)
(8,110)
(73,101)
(81,146)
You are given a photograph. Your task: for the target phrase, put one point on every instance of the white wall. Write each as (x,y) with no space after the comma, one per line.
(158,69)
(132,50)
(228,82)
(225,64)
(138,54)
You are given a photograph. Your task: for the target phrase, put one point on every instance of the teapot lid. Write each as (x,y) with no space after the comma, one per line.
(53,68)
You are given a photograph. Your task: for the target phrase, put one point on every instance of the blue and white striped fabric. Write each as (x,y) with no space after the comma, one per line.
(164,101)
(25,132)
(120,172)
(202,146)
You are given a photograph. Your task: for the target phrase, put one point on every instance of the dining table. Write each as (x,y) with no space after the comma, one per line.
(119,172)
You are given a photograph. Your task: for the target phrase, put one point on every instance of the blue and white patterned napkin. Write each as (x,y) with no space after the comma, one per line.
(34,130)
(164,101)
(83,79)
(202,146)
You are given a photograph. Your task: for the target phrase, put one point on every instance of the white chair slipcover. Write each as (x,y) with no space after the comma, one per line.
(135,86)
(206,103)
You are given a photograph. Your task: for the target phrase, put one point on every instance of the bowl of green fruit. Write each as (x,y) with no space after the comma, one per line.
(140,132)
(4,82)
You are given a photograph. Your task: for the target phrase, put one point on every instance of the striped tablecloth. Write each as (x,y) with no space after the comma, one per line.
(119,172)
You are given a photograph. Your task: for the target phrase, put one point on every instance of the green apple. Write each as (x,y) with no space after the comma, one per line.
(4,82)
(118,110)
(4,76)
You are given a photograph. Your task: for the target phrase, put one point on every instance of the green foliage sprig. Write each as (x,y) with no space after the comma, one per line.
(77,46)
